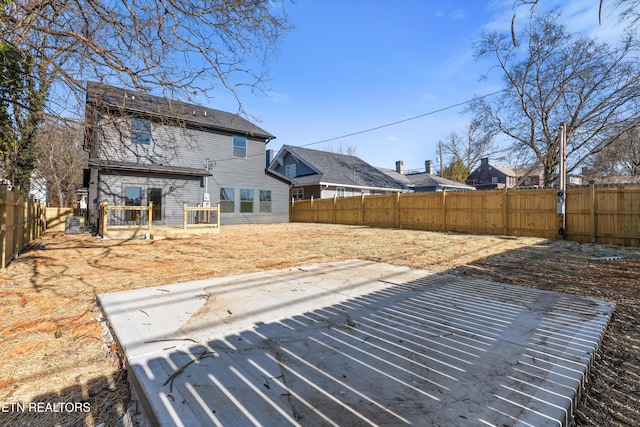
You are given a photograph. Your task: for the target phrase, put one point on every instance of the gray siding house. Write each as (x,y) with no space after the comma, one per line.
(322,174)
(144,148)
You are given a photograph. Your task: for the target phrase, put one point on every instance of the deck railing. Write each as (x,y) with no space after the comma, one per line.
(201,217)
(140,218)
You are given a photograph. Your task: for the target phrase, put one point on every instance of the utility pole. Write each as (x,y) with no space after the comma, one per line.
(562,182)
(441,165)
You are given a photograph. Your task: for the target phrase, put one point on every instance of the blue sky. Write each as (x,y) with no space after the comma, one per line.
(353,65)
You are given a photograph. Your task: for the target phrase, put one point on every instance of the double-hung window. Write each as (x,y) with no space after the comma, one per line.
(227,197)
(265,201)
(239,147)
(290,170)
(140,131)
(246,200)
(297,193)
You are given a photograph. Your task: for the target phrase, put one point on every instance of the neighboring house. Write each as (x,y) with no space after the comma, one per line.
(144,148)
(39,188)
(322,174)
(530,177)
(489,176)
(424,182)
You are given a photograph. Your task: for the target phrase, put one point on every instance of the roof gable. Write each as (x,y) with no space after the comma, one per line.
(340,169)
(105,96)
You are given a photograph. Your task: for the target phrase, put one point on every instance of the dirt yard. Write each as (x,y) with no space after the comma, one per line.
(54,350)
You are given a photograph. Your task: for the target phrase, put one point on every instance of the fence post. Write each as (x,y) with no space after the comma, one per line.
(335,199)
(592,211)
(218,215)
(104,213)
(505,212)
(184,216)
(398,210)
(16,221)
(150,216)
(444,210)
(3,226)
(362,208)
(312,215)
(292,214)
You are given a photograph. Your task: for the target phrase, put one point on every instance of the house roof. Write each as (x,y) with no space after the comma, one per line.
(424,180)
(102,95)
(428,180)
(337,169)
(504,169)
(119,166)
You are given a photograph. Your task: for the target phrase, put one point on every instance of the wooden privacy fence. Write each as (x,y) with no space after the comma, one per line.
(593,214)
(21,221)
(57,217)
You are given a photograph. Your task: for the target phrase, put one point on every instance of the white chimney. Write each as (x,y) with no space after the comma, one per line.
(428,167)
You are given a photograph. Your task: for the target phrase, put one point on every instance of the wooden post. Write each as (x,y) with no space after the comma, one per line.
(16,221)
(505,212)
(362,208)
(150,216)
(3,226)
(291,210)
(592,213)
(314,218)
(104,213)
(335,199)
(184,216)
(218,216)
(444,210)
(398,210)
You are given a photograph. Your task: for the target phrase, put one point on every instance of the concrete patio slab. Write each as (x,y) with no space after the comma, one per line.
(355,343)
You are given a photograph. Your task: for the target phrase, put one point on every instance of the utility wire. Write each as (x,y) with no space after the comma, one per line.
(404,120)
(386,125)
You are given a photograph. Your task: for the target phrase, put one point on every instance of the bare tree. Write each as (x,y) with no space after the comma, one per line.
(628,10)
(184,49)
(560,77)
(61,160)
(476,142)
(621,158)
(348,149)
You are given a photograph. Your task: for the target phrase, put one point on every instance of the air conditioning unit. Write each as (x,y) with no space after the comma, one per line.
(74,225)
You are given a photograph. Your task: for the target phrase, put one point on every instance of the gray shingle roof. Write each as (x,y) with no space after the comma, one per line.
(428,180)
(102,95)
(340,169)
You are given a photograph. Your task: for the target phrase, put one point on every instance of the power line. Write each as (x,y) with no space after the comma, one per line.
(404,120)
(387,124)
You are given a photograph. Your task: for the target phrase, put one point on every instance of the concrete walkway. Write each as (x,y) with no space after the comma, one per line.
(355,343)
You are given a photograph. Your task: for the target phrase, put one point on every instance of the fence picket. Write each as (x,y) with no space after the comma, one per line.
(21,220)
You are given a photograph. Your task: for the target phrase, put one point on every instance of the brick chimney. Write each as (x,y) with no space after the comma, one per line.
(428,167)
(399,166)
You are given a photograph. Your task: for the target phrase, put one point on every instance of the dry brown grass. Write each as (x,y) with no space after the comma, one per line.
(53,348)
